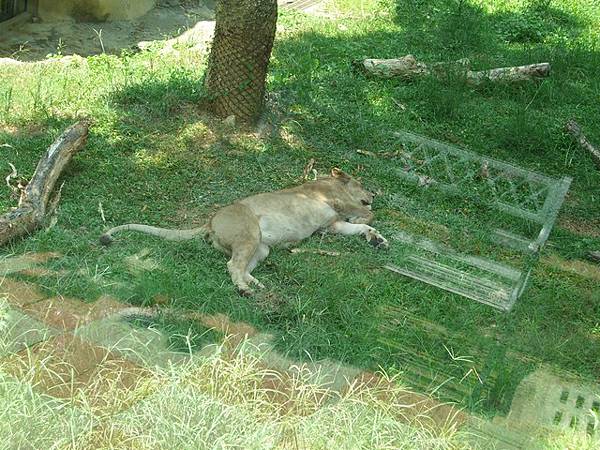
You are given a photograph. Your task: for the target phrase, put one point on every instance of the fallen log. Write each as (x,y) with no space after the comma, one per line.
(509,74)
(409,68)
(406,67)
(575,130)
(35,205)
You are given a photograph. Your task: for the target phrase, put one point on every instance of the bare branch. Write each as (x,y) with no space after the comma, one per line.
(575,130)
(35,205)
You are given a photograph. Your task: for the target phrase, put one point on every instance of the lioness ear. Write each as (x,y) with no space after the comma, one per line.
(340,174)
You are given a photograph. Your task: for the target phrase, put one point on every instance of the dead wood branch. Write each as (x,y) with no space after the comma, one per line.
(13,174)
(308,169)
(575,130)
(316,251)
(509,74)
(35,204)
(408,68)
(366,153)
(378,155)
(594,256)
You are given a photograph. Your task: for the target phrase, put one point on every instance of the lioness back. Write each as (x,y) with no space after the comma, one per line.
(286,216)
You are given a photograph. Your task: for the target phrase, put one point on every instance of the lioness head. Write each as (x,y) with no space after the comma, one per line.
(354,188)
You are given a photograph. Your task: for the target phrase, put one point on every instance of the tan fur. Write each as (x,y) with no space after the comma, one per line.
(247,229)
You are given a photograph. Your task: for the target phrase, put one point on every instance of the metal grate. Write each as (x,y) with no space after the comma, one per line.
(496,217)
(545,399)
(577,411)
(11,8)
(510,188)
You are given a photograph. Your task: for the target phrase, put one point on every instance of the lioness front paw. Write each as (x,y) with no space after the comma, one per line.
(246,292)
(377,240)
(255,282)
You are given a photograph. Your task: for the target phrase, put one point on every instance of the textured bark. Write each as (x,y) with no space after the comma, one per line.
(406,67)
(575,130)
(509,74)
(409,68)
(239,58)
(34,207)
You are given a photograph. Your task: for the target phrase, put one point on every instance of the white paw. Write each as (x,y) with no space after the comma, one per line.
(244,290)
(257,283)
(376,239)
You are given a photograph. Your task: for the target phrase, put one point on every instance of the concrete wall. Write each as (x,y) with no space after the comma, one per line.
(93,10)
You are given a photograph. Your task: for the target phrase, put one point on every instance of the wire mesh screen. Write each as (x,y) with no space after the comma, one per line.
(470,224)
(11,8)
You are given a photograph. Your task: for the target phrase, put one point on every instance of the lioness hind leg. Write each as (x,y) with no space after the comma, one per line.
(262,251)
(238,268)
(236,229)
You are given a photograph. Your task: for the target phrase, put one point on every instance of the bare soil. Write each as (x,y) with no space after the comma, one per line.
(35,41)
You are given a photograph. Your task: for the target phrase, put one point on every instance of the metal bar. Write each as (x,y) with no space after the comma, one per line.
(550,210)
(455,289)
(528,174)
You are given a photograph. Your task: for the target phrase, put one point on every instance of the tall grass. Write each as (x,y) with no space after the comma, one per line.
(228,399)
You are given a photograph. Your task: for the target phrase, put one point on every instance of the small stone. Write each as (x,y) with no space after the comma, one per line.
(230,121)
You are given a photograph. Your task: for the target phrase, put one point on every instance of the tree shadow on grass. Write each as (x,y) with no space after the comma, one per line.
(459,28)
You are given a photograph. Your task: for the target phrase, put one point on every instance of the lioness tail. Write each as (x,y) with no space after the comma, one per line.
(165,233)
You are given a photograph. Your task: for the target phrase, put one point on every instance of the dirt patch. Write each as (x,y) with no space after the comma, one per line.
(93,10)
(589,228)
(63,312)
(31,130)
(36,272)
(196,38)
(20,293)
(419,408)
(34,41)
(69,313)
(235,331)
(67,367)
(106,306)
(574,266)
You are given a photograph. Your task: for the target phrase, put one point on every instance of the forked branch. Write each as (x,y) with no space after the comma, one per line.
(35,204)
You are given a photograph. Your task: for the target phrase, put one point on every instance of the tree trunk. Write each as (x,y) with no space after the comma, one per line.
(237,66)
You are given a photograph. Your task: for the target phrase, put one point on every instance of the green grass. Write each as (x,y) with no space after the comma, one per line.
(154,157)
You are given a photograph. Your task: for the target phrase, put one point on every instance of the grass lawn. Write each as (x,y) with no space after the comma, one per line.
(154,157)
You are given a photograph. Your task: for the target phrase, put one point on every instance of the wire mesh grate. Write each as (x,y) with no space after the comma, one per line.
(506,215)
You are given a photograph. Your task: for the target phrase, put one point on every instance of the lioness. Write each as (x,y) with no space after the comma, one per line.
(248,228)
